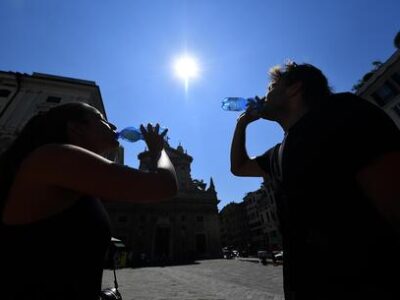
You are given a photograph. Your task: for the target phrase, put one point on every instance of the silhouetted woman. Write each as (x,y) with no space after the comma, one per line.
(54,229)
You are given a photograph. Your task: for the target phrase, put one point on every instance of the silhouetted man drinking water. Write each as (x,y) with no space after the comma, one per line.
(336,176)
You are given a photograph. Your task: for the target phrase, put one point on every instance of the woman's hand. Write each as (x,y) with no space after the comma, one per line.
(154,140)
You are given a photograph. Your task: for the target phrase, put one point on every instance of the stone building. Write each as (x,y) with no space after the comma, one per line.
(23,95)
(269,219)
(235,231)
(252,225)
(180,229)
(262,219)
(382,87)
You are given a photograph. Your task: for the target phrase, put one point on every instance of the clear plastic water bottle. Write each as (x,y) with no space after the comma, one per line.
(133,134)
(239,103)
(130,134)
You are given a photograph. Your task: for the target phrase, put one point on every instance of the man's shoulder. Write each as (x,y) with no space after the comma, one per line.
(348,106)
(344,96)
(348,100)
(351,114)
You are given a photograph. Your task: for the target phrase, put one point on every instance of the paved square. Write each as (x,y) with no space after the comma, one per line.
(218,279)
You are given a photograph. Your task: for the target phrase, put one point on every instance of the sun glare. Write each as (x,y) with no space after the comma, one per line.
(186,68)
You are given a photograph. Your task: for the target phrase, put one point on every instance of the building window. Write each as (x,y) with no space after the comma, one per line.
(200,219)
(52,99)
(4,93)
(396,109)
(396,77)
(385,93)
(183,218)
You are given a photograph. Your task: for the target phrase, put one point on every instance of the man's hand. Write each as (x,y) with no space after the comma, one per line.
(252,112)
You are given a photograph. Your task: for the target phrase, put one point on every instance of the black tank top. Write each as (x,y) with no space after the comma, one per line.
(60,257)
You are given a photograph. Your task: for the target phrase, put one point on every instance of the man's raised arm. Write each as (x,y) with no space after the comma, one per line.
(241,163)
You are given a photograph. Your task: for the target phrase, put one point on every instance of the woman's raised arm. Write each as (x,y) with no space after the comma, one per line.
(83,171)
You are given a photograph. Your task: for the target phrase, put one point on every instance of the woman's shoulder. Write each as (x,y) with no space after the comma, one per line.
(53,159)
(56,149)
(50,153)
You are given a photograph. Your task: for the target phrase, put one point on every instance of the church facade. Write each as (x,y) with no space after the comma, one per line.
(181,229)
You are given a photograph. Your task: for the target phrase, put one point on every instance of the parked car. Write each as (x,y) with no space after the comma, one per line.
(235,253)
(227,253)
(262,255)
(279,256)
(274,256)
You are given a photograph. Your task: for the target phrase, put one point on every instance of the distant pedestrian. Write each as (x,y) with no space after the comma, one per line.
(336,175)
(54,229)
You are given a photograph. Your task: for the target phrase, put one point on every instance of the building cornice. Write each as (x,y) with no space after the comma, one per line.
(394,58)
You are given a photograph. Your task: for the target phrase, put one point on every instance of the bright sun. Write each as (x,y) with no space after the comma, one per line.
(186,67)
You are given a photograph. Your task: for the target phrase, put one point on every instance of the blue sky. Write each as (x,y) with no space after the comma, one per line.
(128,48)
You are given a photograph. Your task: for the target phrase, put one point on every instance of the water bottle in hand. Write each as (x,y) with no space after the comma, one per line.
(240,103)
(130,134)
(133,134)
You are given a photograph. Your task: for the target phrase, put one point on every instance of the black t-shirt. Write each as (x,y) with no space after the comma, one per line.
(332,234)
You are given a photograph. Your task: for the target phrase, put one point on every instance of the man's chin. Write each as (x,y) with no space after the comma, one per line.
(268,118)
(266,115)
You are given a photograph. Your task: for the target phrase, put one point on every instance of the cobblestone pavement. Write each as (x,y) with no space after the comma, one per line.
(217,279)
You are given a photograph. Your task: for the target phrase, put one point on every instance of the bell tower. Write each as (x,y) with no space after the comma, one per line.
(181,161)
